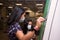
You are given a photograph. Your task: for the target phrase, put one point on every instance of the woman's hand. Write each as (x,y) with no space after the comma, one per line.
(38,23)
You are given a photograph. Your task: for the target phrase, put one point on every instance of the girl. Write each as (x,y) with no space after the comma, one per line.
(15,31)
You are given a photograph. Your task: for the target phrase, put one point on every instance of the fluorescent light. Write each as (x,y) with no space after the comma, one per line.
(25,7)
(10,7)
(18,4)
(1,3)
(39,4)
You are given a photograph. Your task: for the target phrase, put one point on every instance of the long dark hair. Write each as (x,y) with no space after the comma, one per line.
(16,14)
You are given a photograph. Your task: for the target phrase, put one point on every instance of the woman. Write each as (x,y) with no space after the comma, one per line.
(15,31)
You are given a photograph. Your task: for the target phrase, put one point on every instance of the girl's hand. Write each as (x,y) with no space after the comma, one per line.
(40,19)
(38,23)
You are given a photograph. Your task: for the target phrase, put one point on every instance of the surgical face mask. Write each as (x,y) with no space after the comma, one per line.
(29,26)
(22,19)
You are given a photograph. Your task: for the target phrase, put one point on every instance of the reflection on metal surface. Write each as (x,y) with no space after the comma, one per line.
(10,7)
(1,3)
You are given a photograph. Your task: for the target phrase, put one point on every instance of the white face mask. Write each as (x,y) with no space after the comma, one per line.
(22,19)
(29,26)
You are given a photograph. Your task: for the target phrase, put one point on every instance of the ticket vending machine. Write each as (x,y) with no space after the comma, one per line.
(52,27)
(45,15)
